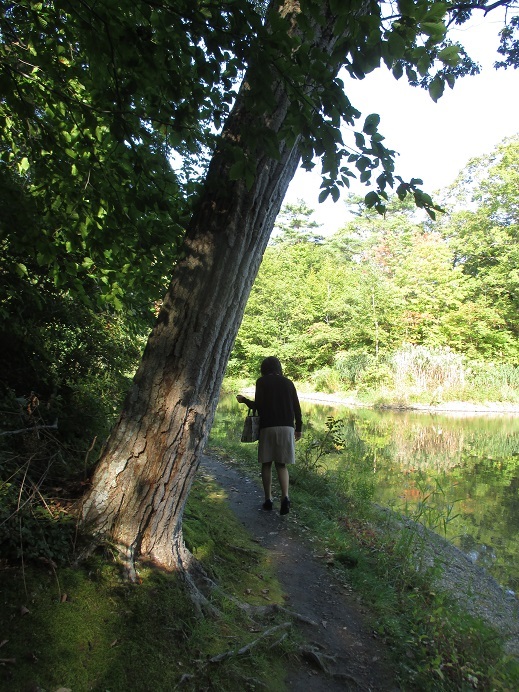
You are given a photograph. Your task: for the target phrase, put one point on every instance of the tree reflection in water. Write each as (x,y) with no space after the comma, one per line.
(470,462)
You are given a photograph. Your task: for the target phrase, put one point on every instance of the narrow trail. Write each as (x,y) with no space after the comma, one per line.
(341,636)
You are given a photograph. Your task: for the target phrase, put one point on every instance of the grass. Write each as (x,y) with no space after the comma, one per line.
(436,645)
(84,628)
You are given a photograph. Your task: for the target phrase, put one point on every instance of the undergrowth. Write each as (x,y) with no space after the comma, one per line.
(85,628)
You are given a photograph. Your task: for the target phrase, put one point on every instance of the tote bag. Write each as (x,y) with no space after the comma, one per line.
(250,427)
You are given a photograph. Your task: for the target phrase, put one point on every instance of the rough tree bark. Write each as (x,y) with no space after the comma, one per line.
(143,478)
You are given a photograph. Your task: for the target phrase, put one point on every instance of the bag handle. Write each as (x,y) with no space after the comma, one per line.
(252,412)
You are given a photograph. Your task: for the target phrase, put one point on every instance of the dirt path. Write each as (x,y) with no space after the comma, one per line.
(358,661)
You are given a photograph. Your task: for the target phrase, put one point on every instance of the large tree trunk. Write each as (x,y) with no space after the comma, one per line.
(145,473)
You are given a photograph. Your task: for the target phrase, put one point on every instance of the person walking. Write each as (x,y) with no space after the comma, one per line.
(278,407)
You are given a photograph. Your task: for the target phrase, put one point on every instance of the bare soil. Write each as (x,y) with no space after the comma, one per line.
(342,651)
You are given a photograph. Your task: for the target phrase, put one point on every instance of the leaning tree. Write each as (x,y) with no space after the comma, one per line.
(290,105)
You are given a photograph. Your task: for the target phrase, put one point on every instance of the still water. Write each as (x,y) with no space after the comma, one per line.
(458,473)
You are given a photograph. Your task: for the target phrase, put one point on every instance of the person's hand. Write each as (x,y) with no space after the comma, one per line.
(240,398)
(297,435)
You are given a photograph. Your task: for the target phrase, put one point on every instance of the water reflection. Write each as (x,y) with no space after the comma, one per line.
(460,473)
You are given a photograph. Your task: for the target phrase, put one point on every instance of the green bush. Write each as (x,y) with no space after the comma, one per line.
(326,380)
(494,381)
(65,371)
(351,364)
(377,375)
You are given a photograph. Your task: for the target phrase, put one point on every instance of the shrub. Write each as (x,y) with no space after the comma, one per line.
(351,364)
(326,380)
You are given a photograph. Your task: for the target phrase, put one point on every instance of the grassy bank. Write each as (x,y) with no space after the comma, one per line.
(436,645)
(84,628)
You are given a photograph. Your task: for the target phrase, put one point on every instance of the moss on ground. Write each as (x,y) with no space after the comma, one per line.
(85,628)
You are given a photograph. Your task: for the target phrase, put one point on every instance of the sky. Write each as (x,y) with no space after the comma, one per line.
(435,141)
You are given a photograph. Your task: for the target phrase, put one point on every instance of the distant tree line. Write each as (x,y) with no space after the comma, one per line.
(336,310)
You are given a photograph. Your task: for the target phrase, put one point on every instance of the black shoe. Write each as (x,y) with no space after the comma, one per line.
(285,506)
(267,505)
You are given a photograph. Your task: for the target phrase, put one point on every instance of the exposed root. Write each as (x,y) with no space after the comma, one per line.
(196,580)
(127,560)
(251,683)
(202,604)
(316,658)
(187,677)
(245,649)
(245,551)
(247,683)
(346,678)
(272,608)
(203,666)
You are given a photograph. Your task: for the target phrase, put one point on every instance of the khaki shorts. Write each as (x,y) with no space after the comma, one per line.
(277,444)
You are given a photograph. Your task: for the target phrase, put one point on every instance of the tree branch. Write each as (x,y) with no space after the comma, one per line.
(54,426)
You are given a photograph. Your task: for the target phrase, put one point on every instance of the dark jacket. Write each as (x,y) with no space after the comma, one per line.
(277,402)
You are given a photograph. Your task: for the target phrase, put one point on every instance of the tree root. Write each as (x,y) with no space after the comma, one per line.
(316,658)
(231,653)
(201,602)
(273,608)
(347,678)
(248,683)
(197,582)
(245,649)
(245,551)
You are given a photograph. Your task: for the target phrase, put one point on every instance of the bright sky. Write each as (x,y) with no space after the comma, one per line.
(434,140)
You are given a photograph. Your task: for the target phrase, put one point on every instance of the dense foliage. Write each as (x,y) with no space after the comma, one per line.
(108,117)
(337,307)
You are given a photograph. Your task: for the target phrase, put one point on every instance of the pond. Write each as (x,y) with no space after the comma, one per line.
(459,474)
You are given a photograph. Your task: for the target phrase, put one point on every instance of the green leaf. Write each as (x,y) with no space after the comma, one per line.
(371,123)
(118,305)
(397,45)
(411,74)
(371,199)
(436,30)
(21,269)
(359,140)
(323,195)
(450,56)
(398,70)
(237,170)
(436,88)
(423,65)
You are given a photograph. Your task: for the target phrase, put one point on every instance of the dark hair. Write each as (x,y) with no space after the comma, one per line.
(271,366)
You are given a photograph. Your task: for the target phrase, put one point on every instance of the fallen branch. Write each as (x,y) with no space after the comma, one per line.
(54,426)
